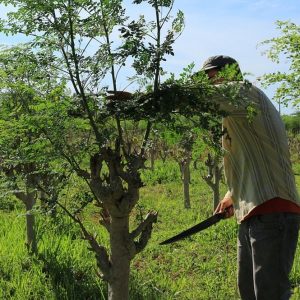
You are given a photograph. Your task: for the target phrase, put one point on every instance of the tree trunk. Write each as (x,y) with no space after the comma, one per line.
(152,159)
(30,224)
(217,176)
(186,177)
(213,177)
(216,196)
(118,286)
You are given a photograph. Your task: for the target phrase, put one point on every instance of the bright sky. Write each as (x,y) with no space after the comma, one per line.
(230,27)
(234,28)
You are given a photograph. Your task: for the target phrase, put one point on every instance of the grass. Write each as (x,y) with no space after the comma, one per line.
(64,269)
(202,267)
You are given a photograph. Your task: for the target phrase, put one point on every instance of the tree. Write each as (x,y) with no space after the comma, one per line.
(74,37)
(25,155)
(87,130)
(285,48)
(292,123)
(213,177)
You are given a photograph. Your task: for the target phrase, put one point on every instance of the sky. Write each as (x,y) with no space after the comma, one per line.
(229,27)
(234,28)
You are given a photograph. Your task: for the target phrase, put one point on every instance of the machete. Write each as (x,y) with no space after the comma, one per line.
(201,226)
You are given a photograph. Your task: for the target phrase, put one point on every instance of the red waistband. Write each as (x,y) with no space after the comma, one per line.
(274,205)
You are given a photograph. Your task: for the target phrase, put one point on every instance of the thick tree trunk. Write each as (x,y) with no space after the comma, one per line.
(30,225)
(117,203)
(118,286)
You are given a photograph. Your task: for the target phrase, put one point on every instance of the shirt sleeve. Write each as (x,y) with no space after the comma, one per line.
(234,97)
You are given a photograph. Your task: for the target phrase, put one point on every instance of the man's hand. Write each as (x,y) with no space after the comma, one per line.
(119,95)
(225,205)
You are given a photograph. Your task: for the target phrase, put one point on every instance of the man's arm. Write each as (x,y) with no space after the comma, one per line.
(234,97)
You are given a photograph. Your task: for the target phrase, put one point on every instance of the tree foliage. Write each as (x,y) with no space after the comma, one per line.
(62,112)
(292,123)
(285,48)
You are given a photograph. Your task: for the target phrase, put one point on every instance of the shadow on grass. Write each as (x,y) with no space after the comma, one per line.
(69,283)
(144,291)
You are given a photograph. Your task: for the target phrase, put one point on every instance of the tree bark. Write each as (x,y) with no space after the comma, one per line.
(186,178)
(31,241)
(213,177)
(118,286)
(152,159)
(216,196)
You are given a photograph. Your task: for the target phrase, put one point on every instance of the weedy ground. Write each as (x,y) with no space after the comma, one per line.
(201,267)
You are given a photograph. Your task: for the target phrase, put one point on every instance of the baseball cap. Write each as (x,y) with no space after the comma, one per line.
(218,61)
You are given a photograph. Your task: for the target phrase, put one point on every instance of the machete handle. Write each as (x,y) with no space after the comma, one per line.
(223,213)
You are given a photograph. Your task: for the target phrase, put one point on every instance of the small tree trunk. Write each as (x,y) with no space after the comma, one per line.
(213,177)
(217,175)
(30,224)
(118,286)
(186,178)
(152,159)
(216,196)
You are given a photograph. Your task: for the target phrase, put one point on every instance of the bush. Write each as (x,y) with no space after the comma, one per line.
(9,203)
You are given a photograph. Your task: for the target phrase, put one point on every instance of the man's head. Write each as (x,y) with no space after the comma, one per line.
(219,62)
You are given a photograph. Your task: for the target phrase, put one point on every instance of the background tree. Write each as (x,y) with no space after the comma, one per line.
(292,123)
(25,154)
(214,176)
(285,48)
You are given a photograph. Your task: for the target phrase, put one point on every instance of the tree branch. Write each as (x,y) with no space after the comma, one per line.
(144,230)
(101,254)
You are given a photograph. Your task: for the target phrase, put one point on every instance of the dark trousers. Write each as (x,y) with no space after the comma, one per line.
(266,250)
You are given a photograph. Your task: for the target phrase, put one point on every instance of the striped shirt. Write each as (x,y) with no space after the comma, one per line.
(256,161)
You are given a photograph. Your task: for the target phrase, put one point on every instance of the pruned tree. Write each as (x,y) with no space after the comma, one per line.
(184,160)
(85,129)
(72,42)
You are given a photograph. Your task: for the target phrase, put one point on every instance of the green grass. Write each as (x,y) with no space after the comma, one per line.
(64,268)
(200,267)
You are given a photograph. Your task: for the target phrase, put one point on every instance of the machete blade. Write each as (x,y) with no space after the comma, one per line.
(199,227)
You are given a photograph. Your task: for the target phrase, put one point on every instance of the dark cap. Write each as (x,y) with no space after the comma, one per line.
(218,61)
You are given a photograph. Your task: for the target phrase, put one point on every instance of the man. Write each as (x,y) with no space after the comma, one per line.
(261,189)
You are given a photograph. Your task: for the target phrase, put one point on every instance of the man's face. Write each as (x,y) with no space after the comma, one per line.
(211,73)
(213,76)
